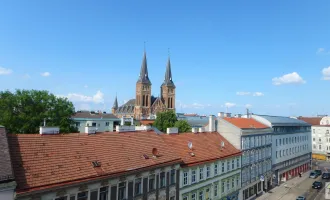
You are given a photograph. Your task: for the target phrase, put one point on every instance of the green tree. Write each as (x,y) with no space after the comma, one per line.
(25,110)
(165,120)
(183,126)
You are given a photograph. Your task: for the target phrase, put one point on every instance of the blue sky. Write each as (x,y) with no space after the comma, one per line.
(272,56)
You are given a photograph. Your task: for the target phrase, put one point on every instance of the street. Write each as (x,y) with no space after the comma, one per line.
(300,186)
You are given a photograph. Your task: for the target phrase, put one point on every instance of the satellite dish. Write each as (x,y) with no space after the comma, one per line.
(190,145)
(155,152)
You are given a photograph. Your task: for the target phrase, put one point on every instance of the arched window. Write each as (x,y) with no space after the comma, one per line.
(146,100)
(168,103)
(143,100)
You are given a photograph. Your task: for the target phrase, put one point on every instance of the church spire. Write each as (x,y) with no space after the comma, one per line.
(115,104)
(168,74)
(143,77)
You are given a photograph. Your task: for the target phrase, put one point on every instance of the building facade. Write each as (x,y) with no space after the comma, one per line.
(320,132)
(145,105)
(101,122)
(291,146)
(7,181)
(254,140)
(125,166)
(211,171)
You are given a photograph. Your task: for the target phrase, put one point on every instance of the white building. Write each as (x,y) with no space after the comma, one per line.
(291,146)
(320,136)
(254,139)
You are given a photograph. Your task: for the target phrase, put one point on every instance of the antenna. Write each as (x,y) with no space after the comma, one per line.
(190,145)
(168,51)
(144,46)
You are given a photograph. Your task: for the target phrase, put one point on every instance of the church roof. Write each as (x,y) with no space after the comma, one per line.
(168,75)
(144,78)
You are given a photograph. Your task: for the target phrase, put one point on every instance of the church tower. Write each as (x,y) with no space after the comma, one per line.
(143,92)
(115,106)
(168,88)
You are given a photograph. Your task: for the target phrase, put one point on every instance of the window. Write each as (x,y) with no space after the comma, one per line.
(93,195)
(280,142)
(228,166)
(185,178)
(222,187)
(233,164)
(208,172)
(216,169)
(327,131)
(215,190)
(201,173)
(94,124)
(237,162)
(82,196)
(61,198)
(193,176)
(172,178)
(151,182)
(185,198)
(104,192)
(313,130)
(137,187)
(222,167)
(314,146)
(172,198)
(320,147)
(232,182)
(237,181)
(77,124)
(107,123)
(320,140)
(228,185)
(73,197)
(276,154)
(201,195)
(122,191)
(163,180)
(276,142)
(193,196)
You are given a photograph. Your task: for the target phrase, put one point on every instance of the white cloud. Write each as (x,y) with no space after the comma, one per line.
(193,105)
(85,86)
(26,76)
(292,78)
(320,50)
(5,71)
(75,97)
(243,93)
(326,73)
(258,94)
(45,74)
(229,105)
(248,106)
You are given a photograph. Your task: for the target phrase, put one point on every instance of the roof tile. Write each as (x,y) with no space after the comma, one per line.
(245,123)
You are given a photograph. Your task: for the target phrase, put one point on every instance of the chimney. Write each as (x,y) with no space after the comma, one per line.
(228,115)
(172,130)
(49,130)
(211,123)
(221,114)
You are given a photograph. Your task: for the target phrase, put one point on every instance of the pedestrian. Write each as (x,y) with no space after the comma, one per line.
(299,174)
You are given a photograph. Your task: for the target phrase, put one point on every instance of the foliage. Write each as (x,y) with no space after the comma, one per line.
(168,119)
(183,126)
(165,120)
(25,110)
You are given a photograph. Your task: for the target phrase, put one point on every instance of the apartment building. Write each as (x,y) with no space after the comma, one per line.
(320,132)
(254,140)
(211,167)
(7,181)
(116,166)
(99,121)
(291,146)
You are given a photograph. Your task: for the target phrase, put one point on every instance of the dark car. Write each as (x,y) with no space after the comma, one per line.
(326,175)
(318,172)
(317,185)
(301,198)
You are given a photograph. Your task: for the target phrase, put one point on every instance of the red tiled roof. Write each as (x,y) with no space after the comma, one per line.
(147,121)
(311,120)
(245,123)
(44,161)
(205,146)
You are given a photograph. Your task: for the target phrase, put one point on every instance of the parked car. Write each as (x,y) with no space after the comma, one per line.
(313,175)
(301,198)
(326,175)
(317,185)
(318,172)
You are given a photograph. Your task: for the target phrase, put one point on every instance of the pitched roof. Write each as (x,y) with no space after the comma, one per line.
(168,75)
(245,123)
(96,115)
(311,120)
(205,146)
(6,171)
(46,161)
(143,77)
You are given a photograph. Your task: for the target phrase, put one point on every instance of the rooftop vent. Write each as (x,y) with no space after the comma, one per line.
(49,130)
(190,145)
(222,145)
(96,164)
(192,154)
